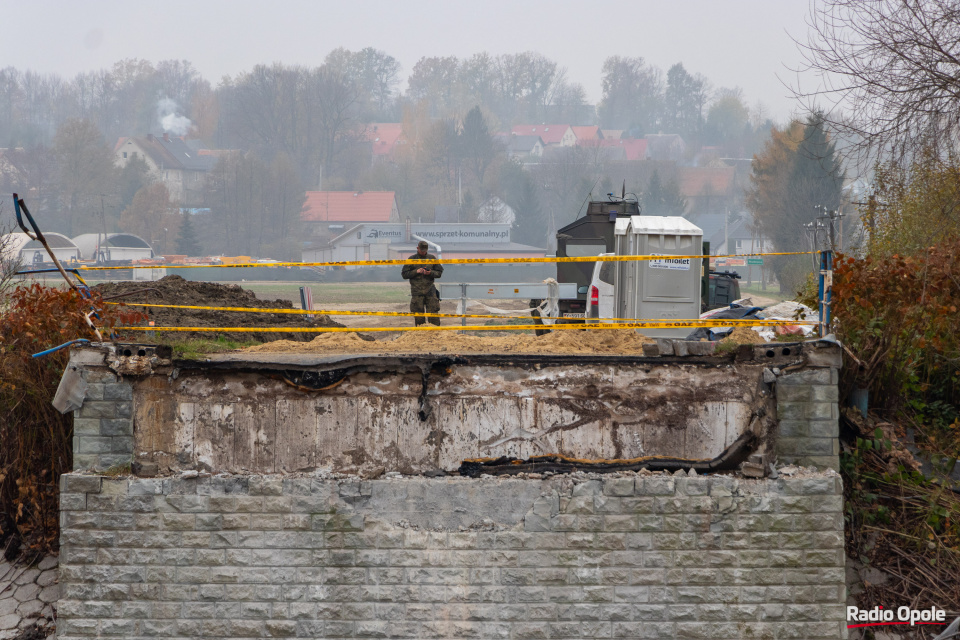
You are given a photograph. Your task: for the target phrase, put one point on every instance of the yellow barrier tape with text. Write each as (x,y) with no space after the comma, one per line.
(409,314)
(660,324)
(402,261)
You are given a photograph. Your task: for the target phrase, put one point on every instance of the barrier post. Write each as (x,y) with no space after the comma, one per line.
(825,290)
(306,300)
(463,303)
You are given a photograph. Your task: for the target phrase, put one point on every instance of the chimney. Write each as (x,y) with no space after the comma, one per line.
(166,136)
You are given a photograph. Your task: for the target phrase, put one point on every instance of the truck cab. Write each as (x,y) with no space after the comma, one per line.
(722,289)
(590,235)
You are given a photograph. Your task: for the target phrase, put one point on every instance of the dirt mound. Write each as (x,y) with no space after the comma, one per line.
(608,342)
(176,290)
(744,335)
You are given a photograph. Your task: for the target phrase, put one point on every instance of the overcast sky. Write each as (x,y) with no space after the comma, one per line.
(743,43)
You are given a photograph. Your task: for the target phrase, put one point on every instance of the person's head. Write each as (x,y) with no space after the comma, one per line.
(422,247)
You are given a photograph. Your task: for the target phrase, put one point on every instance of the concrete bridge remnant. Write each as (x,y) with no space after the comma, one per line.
(300,495)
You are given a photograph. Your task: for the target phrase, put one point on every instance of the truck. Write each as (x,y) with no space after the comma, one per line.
(593,235)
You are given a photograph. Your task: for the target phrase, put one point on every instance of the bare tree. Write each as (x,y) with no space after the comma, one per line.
(889,71)
(10,261)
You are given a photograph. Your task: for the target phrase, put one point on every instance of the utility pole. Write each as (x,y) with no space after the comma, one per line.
(726,231)
(103,224)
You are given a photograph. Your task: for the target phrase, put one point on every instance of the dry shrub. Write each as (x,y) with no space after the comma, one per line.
(37,439)
(899,317)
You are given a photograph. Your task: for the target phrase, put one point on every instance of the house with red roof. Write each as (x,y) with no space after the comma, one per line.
(556,135)
(384,137)
(586,134)
(326,214)
(708,189)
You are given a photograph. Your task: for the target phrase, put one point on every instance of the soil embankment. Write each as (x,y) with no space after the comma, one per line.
(174,290)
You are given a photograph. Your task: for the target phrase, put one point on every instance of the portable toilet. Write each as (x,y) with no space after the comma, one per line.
(666,288)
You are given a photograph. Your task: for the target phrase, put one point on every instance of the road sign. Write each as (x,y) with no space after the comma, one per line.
(754,260)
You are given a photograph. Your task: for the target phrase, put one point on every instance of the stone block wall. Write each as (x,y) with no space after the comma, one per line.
(627,556)
(103,425)
(809,418)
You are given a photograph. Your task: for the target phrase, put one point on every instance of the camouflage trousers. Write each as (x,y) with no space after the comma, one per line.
(425,304)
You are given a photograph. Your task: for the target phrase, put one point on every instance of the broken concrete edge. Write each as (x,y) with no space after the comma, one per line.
(806,396)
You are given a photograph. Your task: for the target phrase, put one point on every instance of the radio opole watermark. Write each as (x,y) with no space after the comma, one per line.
(876,616)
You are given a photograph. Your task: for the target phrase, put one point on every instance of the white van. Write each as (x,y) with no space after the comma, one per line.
(600,294)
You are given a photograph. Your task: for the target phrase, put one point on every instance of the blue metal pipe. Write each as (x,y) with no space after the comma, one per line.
(828,290)
(821,292)
(63,346)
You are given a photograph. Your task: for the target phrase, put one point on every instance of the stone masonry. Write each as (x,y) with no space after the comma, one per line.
(808,412)
(103,425)
(622,556)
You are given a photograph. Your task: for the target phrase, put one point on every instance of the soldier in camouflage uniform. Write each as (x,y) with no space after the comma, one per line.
(424,297)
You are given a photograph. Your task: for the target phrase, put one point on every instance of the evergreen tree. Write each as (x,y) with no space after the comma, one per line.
(134,176)
(476,145)
(796,172)
(187,243)
(520,193)
(661,199)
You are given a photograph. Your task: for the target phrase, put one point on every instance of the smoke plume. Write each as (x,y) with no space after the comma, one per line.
(170,121)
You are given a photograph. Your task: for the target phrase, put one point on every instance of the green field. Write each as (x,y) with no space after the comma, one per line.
(772,291)
(331,293)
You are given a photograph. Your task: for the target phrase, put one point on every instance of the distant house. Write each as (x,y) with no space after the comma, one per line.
(627,149)
(664,147)
(586,134)
(611,134)
(525,146)
(326,214)
(384,137)
(738,238)
(180,167)
(550,134)
(709,189)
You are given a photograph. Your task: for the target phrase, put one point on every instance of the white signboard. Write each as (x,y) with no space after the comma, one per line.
(439,233)
(674,263)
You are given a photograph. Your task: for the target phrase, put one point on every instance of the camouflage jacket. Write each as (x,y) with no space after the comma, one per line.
(421,284)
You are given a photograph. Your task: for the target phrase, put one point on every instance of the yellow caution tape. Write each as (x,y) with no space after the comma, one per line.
(328,312)
(671,324)
(384,263)
(408,314)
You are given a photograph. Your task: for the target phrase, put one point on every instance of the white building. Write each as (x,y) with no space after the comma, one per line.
(113,246)
(32,252)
